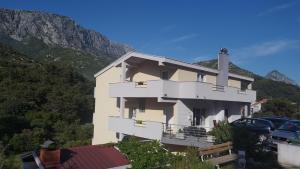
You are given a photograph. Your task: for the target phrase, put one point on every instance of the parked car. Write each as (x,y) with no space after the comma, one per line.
(277,121)
(289,131)
(255,125)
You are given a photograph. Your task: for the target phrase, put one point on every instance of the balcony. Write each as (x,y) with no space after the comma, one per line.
(180,90)
(144,129)
(170,134)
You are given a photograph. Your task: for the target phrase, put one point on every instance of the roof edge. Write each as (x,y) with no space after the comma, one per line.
(168,60)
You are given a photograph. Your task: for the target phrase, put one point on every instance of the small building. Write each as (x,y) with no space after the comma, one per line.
(257,106)
(85,157)
(159,98)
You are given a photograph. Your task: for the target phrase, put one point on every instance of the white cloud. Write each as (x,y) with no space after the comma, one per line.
(182,38)
(269,48)
(277,8)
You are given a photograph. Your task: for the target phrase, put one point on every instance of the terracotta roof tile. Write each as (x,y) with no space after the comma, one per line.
(91,157)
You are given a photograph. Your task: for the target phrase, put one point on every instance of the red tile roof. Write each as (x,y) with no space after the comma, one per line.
(91,157)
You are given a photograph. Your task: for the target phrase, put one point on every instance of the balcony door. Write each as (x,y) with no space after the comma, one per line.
(198,117)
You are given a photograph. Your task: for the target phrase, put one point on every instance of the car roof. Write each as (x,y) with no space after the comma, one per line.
(277,118)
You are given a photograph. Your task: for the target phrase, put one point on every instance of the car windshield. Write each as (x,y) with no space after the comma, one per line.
(291,126)
(261,123)
(277,122)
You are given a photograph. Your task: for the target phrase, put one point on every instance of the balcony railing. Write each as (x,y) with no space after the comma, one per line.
(181,90)
(168,134)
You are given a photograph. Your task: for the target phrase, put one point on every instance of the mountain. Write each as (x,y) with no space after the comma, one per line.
(47,37)
(277,76)
(56,30)
(266,88)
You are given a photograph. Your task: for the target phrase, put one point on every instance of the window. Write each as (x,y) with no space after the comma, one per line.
(142,105)
(165,75)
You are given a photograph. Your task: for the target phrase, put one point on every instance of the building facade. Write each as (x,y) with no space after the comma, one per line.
(146,96)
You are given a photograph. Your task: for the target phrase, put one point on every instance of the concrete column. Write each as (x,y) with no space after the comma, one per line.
(122,99)
(124,71)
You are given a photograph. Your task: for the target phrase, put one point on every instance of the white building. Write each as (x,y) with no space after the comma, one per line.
(150,97)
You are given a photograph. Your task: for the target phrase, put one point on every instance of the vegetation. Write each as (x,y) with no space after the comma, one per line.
(40,101)
(222,133)
(146,155)
(279,107)
(189,161)
(249,142)
(85,63)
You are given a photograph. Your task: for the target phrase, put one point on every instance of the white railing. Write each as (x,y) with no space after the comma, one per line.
(144,129)
(181,89)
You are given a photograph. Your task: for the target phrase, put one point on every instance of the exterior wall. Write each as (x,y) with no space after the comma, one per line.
(210,78)
(186,75)
(152,71)
(105,106)
(154,111)
(146,71)
(215,110)
(234,83)
(288,154)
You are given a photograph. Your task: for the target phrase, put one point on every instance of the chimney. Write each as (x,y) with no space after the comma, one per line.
(223,64)
(49,154)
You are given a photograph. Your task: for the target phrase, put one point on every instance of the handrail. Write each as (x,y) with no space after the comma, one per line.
(184,131)
(213,85)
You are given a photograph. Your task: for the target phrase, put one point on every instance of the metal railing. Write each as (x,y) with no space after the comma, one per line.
(183,131)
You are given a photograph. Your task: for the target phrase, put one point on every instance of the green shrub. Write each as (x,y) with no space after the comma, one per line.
(145,154)
(189,161)
(222,133)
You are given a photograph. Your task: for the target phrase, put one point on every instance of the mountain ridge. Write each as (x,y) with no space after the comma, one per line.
(275,75)
(48,37)
(57,30)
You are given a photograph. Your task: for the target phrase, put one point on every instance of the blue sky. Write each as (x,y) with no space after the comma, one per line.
(260,35)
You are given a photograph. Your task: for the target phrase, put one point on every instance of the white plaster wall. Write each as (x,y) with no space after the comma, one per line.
(215,110)
(289,154)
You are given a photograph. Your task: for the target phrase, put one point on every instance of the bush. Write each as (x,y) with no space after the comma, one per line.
(189,161)
(222,133)
(145,154)
(152,155)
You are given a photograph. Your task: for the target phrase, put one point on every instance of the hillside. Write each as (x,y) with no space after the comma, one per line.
(266,88)
(42,101)
(47,37)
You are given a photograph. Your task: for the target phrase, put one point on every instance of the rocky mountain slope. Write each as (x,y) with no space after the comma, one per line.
(46,37)
(56,30)
(280,77)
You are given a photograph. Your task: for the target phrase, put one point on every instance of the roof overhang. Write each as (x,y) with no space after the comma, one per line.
(161,60)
